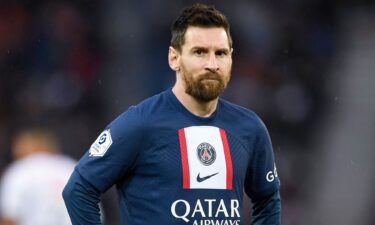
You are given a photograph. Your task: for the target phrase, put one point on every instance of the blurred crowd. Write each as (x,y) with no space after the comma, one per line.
(74,65)
(50,60)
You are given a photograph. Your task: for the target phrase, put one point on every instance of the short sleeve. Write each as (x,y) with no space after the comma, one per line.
(261,177)
(114,152)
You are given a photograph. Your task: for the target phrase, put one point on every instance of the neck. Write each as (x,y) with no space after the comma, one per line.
(198,108)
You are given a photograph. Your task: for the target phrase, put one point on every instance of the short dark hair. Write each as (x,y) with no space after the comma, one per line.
(198,15)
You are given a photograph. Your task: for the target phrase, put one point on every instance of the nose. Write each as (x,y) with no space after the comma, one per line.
(212,64)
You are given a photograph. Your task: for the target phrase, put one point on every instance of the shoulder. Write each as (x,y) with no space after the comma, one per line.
(40,163)
(61,162)
(241,115)
(144,109)
(155,104)
(136,117)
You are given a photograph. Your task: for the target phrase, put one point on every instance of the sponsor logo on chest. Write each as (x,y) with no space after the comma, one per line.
(207,212)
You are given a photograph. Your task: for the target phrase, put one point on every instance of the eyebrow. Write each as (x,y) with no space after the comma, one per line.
(205,48)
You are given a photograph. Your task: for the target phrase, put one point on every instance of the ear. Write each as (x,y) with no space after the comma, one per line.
(173,59)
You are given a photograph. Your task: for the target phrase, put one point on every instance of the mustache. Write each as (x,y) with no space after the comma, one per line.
(210,76)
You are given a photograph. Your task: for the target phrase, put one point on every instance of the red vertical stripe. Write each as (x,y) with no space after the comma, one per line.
(184,160)
(228,159)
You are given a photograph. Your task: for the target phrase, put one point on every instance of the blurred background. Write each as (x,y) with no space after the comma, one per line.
(305,67)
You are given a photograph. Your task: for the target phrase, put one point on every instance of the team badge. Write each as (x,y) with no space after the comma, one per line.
(206,154)
(101,144)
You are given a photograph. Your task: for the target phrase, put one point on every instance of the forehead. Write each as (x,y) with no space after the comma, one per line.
(214,37)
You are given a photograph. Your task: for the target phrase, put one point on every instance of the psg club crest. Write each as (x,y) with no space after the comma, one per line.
(206,154)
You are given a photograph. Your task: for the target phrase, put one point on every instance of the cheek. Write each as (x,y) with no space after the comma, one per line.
(227,65)
(226,68)
(192,66)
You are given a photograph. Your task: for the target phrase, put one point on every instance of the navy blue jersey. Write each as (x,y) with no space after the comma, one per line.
(172,167)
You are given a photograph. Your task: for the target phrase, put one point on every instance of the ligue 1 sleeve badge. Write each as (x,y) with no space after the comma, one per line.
(101,144)
(206,154)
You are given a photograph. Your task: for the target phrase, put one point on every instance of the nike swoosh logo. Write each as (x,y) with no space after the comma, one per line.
(201,179)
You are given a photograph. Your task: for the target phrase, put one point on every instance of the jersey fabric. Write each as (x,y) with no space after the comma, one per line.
(30,191)
(172,167)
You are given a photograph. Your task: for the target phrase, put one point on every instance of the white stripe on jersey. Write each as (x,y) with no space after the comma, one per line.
(210,144)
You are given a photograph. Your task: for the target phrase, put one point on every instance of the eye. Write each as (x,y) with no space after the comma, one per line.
(221,53)
(199,52)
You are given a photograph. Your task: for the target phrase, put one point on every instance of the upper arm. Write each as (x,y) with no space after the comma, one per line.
(261,177)
(114,152)
(267,210)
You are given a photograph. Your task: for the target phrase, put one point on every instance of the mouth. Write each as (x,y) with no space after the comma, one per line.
(210,81)
(210,77)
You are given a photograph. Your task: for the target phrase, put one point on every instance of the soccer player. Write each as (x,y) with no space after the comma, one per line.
(184,156)
(30,191)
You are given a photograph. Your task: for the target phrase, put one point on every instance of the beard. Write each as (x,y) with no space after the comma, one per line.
(205,87)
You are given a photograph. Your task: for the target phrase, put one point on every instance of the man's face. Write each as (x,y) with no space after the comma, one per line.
(205,62)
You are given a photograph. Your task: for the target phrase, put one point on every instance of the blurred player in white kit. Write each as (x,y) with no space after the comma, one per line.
(30,191)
